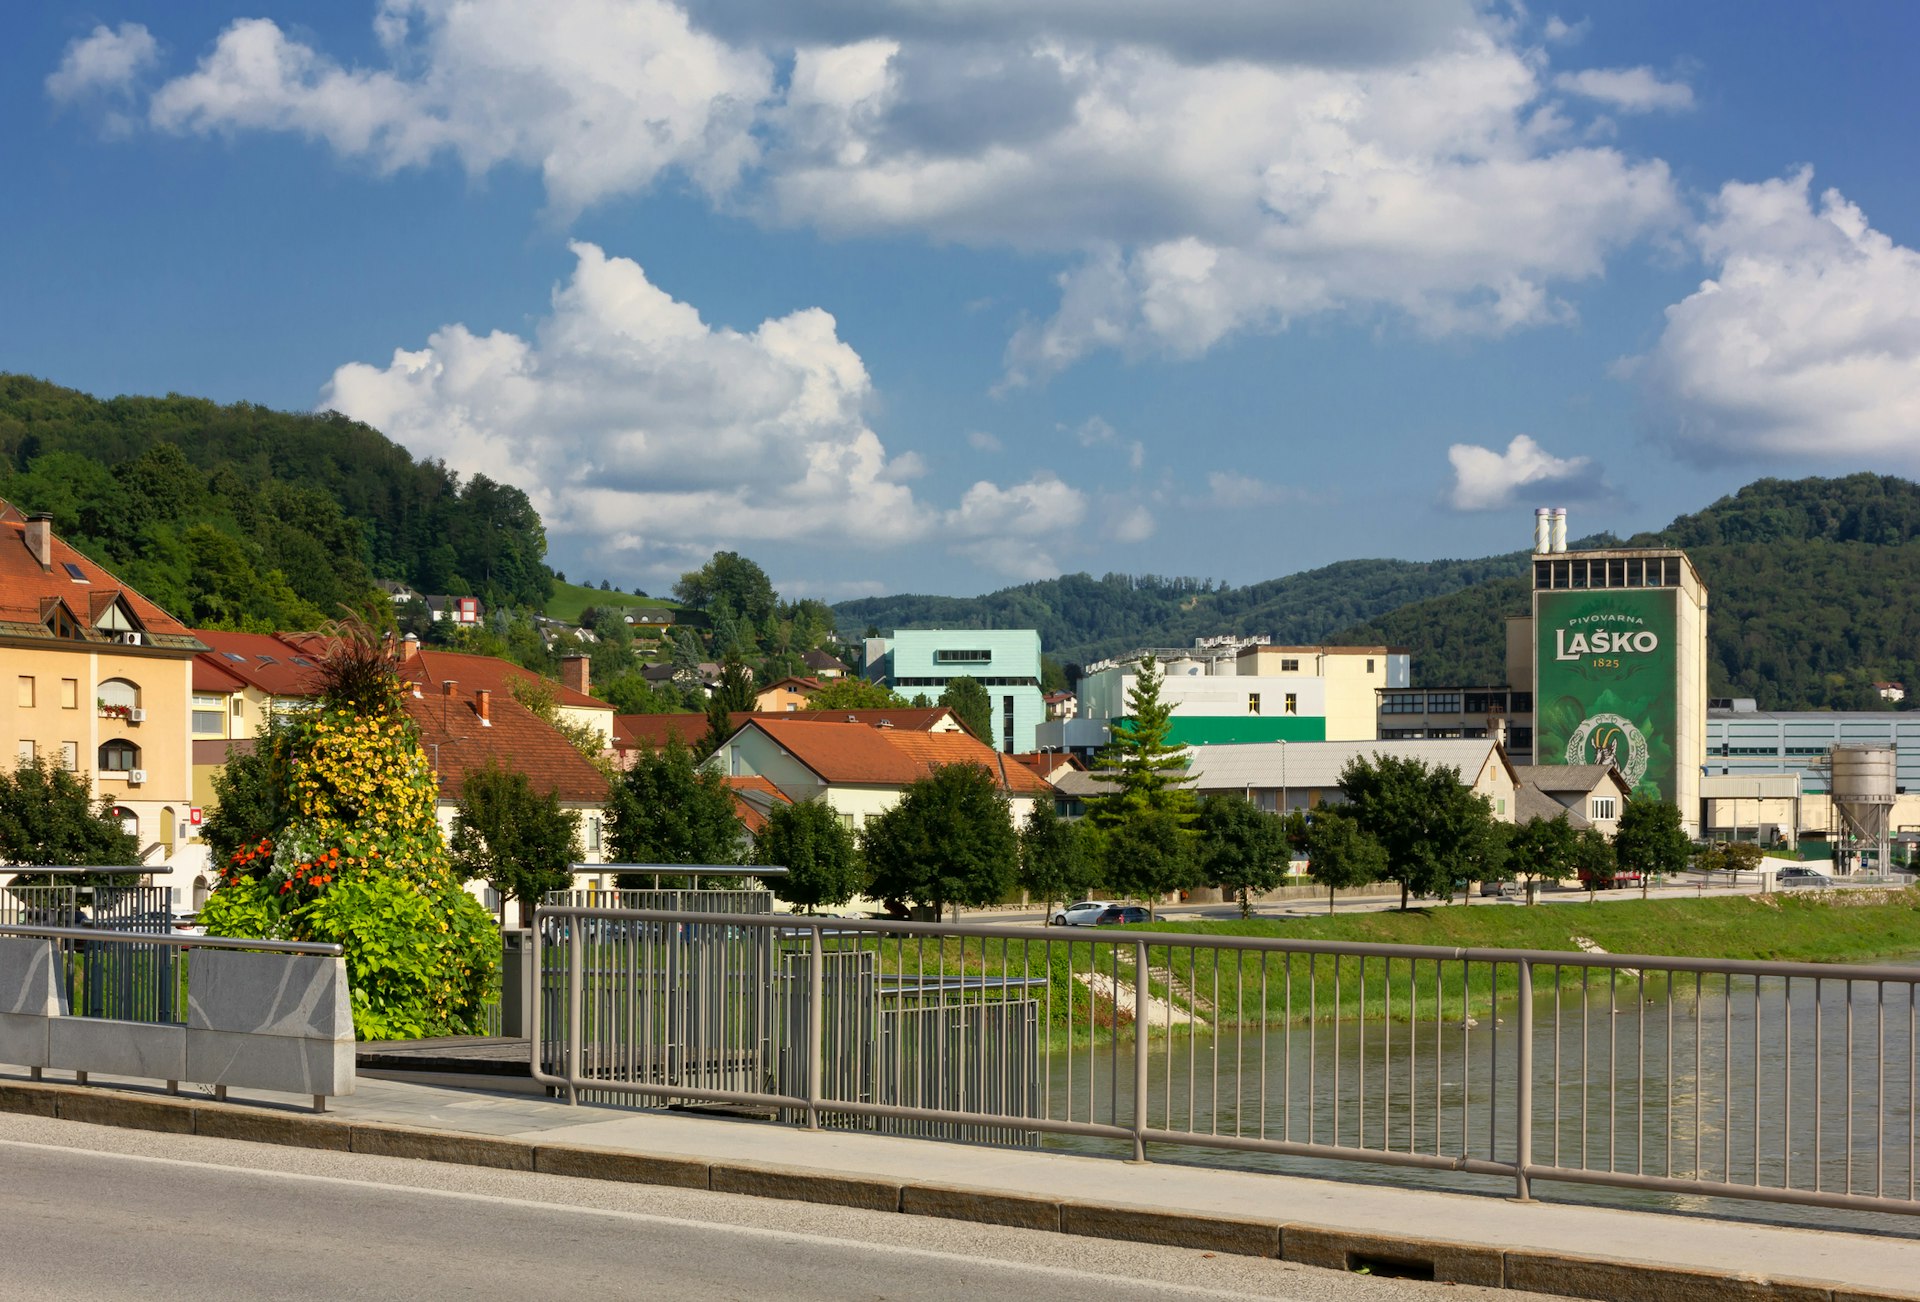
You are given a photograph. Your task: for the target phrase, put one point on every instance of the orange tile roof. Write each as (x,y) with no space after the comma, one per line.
(458,743)
(29,594)
(908,718)
(633,731)
(752,812)
(855,754)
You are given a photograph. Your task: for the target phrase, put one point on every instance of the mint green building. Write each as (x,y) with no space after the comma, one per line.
(922,661)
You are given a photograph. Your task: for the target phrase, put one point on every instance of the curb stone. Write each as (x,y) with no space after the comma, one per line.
(1563,1274)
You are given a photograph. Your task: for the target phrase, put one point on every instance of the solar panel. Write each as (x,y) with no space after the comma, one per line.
(74,572)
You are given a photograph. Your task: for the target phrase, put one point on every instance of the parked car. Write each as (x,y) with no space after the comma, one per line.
(1079,914)
(1794,878)
(1119,915)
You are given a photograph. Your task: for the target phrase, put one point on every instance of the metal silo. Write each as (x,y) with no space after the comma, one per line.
(1863,795)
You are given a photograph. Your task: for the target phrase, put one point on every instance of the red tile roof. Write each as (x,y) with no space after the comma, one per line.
(633,731)
(457,744)
(907,718)
(855,754)
(430,666)
(274,664)
(29,594)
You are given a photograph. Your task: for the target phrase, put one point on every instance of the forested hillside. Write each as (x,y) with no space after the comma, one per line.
(1082,618)
(248,517)
(1811,587)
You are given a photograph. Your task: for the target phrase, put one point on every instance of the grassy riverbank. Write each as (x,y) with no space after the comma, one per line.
(1084,984)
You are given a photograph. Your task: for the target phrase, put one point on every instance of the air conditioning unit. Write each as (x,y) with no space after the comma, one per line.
(132,638)
(137,776)
(137,715)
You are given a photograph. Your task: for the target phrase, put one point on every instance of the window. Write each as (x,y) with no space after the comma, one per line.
(70,756)
(26,692)
(239,707)
(962,657)
(118,756)
(1603,807)
(1293,704)
(27,751)
(1006,724)
(1443,702)
(1253,702)
(119,692)
(69,693)
(1403,703)
(209,720)
(74,572)
(593,833)
(1369,666)
(1289,666)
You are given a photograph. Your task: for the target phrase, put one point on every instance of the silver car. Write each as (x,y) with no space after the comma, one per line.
(1080,914)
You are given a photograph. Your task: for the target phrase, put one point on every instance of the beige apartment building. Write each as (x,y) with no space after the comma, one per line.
(97,679)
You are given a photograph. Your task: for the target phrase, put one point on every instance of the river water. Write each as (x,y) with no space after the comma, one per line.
(1772,1083)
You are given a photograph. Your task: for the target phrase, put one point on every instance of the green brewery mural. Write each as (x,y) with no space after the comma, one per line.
(1606,684)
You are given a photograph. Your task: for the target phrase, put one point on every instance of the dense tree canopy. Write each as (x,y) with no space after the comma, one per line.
(1341,854)
(1435,830)
(665,809)
(48,817)
(822,859)
(1242,849)
(950,840)
(521,843)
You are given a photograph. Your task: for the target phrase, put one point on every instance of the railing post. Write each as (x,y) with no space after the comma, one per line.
(816,1014)
(1523,1086)
(576,999)
(1140,1024)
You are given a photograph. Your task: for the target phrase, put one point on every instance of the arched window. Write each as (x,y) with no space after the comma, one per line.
(166,830)
(201,889)
(118,693)
(129,821)
(119,756)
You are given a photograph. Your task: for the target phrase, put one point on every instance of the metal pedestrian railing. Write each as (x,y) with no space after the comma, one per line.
(134,981)
(1779,1082)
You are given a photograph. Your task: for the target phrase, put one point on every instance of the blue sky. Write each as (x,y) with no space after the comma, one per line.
(905,296)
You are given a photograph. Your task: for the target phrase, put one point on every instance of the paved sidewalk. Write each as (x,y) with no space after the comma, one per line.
(1561,1248)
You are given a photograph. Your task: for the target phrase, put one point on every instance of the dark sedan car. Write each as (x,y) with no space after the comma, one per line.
(1120,915)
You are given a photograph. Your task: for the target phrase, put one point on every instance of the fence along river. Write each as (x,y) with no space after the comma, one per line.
(1658,1080)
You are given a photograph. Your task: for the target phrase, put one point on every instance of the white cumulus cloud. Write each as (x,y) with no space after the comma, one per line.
(600,96)
(1628,90)
(1199,170)
(1234,491)
(1486,480)
(104,66)
(637,428)
(1804,344)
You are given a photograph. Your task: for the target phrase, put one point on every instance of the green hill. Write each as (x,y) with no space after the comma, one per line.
(243,516)
(1082,618)
(1811,585)
(570,600)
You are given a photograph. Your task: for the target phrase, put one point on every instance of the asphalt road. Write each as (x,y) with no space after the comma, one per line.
(94,1213)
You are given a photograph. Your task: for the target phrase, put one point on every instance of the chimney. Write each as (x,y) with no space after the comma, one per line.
(483,706)
(574,673)
(447,685)
(40,538)
(409,647)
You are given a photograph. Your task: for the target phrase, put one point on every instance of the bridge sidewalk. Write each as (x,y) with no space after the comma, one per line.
(1572,1250)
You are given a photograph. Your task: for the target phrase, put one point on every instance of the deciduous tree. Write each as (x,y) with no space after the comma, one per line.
(950,840)
(1650,839)
(1241,848)
(1434,829)
(1056,861)
(666,809)
(48,817)
(1341,854)
(821,858)
(520,842)
(971,704)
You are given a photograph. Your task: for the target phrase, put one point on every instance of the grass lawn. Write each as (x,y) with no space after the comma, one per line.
(569,600)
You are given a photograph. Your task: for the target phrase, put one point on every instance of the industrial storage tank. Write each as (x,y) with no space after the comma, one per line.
(1864,774)
(1863,795)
